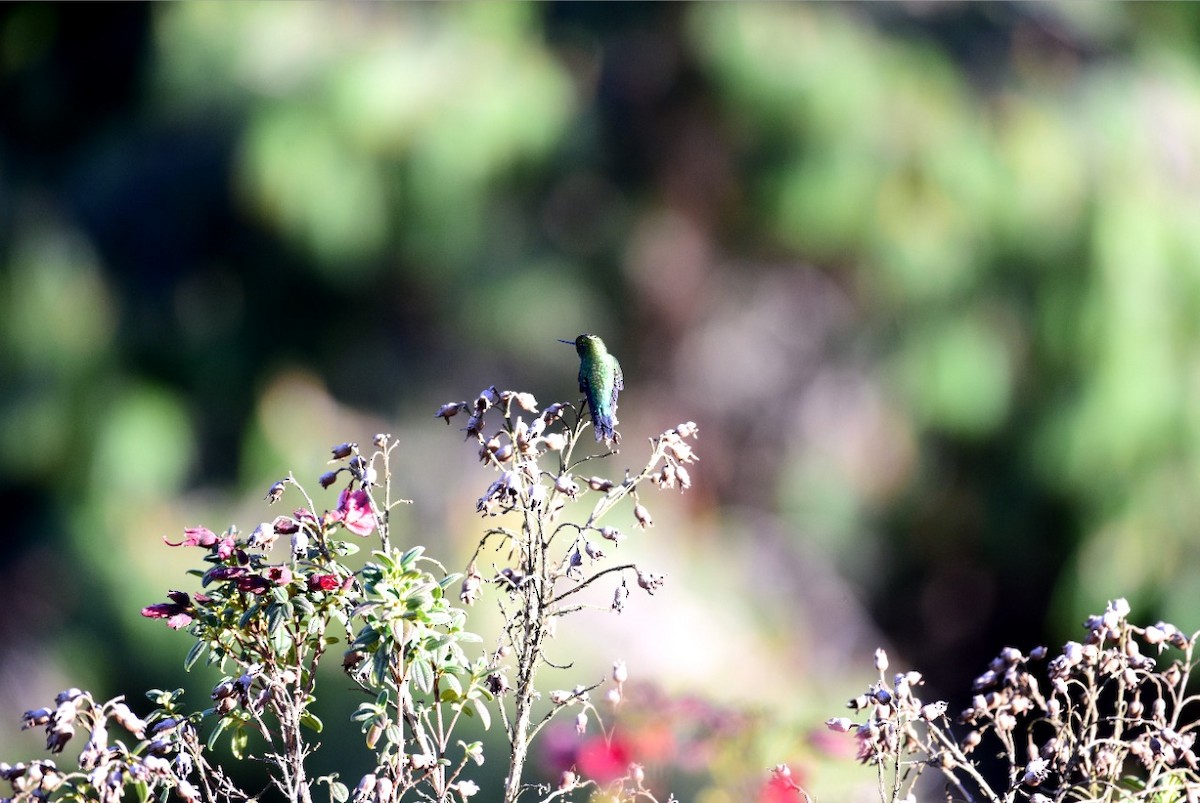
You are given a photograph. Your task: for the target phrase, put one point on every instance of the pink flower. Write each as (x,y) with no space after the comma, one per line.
(177,612)
(354,512)
(202,536)
(195,536)
(279,575)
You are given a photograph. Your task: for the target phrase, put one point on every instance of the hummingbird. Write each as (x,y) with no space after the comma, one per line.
(600,380)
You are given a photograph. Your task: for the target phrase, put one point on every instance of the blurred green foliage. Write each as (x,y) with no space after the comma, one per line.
(928,276)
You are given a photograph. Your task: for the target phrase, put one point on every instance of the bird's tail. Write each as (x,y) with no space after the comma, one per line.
(605,425)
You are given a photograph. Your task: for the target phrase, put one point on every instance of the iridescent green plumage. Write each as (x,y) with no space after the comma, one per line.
(600,380)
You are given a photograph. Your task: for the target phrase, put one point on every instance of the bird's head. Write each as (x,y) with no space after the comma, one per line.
(586,344)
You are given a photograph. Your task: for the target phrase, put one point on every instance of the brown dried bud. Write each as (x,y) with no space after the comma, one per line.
(497,684)
(643,516)
(127,719)
(471,585)
(365,788)
(649,581)
(619,596)
(553,441)
(687,429)
(620,673)
(881,659)
(685,479)
(474,425)
(525,401)
(275,492)
(343,450)
(839,724)
(36,717)
(599,484)
(931,711)
(681,452)
(553,411)
(448,411)
(564,484)
(612,534)
(328,478)
(1036,771)
(568,780)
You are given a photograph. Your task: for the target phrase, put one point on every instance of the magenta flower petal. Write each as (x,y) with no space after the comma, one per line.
(354,511)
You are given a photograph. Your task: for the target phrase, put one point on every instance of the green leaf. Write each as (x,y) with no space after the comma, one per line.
(282,644)
(250,613)
(224,723)
(366,637)
(385,561)
(194,655)
(449,580)
(364,712)
(344,547)
(485,715)
(448,681)
(422,675)
(142,790)
(410,557)
(379,667)
(276,617)
(241,737)
(338,792)
(311,721)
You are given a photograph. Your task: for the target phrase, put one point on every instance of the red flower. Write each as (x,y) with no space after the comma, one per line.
(781,788)
(604,761)
(323,582)
(354,512)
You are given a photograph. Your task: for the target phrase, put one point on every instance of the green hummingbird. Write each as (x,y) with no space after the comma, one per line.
(600,380)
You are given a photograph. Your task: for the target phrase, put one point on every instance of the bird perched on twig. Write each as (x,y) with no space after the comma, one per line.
(600,380)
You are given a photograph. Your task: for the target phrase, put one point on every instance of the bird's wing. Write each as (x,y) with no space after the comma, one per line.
(619,383)
(583,380)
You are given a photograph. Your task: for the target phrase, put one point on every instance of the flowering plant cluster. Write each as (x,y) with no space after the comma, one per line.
(273,603)
(1113,720)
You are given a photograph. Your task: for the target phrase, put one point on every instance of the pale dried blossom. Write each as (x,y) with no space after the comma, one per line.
(1090,727)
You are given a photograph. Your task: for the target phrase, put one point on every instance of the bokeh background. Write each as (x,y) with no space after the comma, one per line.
(927,275)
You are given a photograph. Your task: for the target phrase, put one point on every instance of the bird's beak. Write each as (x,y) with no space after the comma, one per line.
(568,342)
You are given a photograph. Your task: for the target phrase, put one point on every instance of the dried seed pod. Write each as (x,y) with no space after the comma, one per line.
(448,411)
(599,484)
